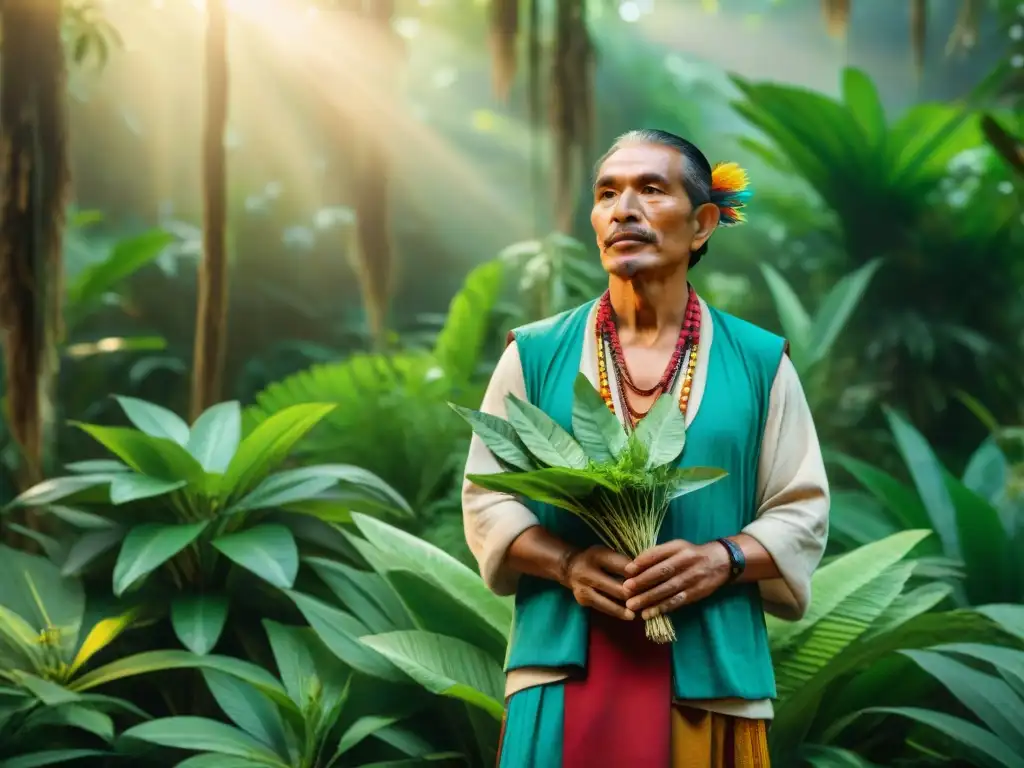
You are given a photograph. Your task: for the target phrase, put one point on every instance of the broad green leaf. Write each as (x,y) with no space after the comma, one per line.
(861,98)
(57,488)
(356,487)
(841,578)
(268,445)
(50,757)
(909,606)
(154,420)
(268,550)
(76,518)
(129,486)
(971,736)
(403,551)
(215,436)
(689,479)
(836,309)
(76,716)
(341,633)
(366,595)
(928,475)
(418,762)
(986,549)
(1009,661)
(360,730)
(558,486)
(48,692)
(280,490)
(249,709)
(662,431)
(988,697)
(214,760)
(197,733)
(446,666)
(902,503)
(458,345)
(833,757)
(198,621)
(438,611)
(308,670)
(499,436)
(833,633)
(595,427)
(160,661)
(796,323)
(546,440)
(147,455)
(1009,617)
(858,518)
(126,257)
(96,466)
(149,546)
(88,547)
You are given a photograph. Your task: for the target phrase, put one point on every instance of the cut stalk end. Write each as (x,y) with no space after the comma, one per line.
(660,630)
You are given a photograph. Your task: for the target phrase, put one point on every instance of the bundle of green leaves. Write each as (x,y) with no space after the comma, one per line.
(619,482)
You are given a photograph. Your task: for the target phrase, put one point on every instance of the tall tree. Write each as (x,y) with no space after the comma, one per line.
(34,180)
(212,285)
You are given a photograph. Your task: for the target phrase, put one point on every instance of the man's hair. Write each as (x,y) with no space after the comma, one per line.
(696,168)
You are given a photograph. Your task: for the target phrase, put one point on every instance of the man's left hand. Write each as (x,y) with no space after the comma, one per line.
(674,574)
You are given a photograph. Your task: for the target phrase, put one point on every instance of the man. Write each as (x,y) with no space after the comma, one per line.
(585,688)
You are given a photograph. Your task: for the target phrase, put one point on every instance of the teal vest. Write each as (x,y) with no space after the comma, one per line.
(722,646)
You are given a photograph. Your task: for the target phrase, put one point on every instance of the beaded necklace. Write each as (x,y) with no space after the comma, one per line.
(685,353)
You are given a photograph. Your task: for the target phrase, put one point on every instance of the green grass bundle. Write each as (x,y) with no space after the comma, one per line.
(620,484)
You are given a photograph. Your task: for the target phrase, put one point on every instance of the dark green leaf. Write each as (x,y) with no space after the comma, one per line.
(341,632)
(499,437)
(197,733)
(154,420)
(215,436)
(662,431)
(198,621)
(147,455)
(547,441)
(129,486)
(249,709)
(268,445)
(149,546)
(50,757)
(57,488)
(268,550)
(595,427)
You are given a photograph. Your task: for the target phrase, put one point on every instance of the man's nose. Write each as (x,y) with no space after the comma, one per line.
(626,207)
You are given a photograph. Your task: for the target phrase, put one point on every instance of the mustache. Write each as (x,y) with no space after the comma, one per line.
(643,235)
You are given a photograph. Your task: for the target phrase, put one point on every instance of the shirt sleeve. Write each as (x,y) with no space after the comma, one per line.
(792,516)
(492,520)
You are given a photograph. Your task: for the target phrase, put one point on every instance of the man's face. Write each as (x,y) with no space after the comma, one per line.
(642,216)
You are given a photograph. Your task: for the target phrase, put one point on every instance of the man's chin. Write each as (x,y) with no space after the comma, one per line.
(630,266)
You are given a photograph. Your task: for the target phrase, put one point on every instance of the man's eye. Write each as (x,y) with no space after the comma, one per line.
(649,190)
(605,194)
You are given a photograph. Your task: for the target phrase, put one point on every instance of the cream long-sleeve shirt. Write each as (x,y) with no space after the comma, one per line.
(793,498)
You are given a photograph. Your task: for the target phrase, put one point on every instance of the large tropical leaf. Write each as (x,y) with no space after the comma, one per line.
(458,346)
(546,440)
(446,666)
(398,550)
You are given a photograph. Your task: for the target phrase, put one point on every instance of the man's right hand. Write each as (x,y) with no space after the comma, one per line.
(595,576)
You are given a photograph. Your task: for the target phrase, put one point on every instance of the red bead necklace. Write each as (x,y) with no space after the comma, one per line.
(685,353)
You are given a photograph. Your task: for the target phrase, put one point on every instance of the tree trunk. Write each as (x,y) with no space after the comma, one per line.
(212,285)
(34,183)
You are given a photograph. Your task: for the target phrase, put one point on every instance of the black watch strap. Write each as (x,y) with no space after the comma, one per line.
(737,562)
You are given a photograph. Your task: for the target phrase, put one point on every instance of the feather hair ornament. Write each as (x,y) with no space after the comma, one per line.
(730,191)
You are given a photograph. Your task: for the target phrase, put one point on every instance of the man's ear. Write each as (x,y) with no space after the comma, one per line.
(706,218)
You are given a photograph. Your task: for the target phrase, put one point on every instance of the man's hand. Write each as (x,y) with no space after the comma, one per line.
(595,577)
(673,574)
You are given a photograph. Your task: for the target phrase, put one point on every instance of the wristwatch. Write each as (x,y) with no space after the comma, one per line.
(737,562)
